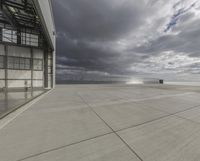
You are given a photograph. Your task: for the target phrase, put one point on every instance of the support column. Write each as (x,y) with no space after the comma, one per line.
(32,71)
(6,67)
(1,34)
(18,36)
(6,75)
(51,67)
(45,68)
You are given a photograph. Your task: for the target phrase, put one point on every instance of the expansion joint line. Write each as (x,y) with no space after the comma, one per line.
(110,127)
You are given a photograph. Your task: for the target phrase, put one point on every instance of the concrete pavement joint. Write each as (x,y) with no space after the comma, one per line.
(128,146)
(62,147)
(159,118)
(113,132)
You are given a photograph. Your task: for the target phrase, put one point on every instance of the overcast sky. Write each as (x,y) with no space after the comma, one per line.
(136,38)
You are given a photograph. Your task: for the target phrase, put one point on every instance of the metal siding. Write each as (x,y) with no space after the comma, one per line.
(19,51)
(2,51)
(2,83)
(37,83)
(38,53)
(18,83)
(38,74)
(19,74)
(2,74)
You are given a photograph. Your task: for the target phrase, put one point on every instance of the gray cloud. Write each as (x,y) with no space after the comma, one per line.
(97,20)
(126,37)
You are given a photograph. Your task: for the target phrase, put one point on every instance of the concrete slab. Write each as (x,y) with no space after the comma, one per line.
(171,104)
(124,115)
(191,99)
(62,126)
(192,114)
(168,139)
(105,148)
(43,128)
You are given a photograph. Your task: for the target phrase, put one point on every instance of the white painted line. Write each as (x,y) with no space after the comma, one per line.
(12,116)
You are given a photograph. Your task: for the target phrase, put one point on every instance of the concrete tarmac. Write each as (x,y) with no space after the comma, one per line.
(106,123)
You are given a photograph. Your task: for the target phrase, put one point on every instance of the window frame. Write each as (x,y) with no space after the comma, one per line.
(16,63)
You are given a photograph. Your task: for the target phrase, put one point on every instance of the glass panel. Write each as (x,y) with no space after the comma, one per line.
(9,36)
(29,39)
(16,63)
(22,63)
(10,62)
(27,64)
(19,63)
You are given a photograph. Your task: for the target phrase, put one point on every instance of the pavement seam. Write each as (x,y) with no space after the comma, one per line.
(62,147)
(113,132)
(195,122)
(176,113)
(128,146)
(159,118)
(133,126)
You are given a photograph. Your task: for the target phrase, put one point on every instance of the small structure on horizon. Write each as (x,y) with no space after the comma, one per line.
(153,81)
(161,81)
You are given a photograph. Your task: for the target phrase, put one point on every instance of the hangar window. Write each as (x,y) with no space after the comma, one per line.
(38,64)
(19,63)
(25,63)
(1,62)
(29,39)
(9,36)
(13,63)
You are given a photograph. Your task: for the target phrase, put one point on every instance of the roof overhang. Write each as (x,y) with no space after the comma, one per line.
(34,15)
(44,10)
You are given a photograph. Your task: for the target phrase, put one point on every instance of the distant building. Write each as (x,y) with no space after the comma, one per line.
(161,81)
(153,81)
(27,44)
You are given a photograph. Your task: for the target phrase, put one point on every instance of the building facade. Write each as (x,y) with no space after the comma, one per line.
(27,45)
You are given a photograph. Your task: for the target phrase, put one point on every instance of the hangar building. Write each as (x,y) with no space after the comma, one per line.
(27,45)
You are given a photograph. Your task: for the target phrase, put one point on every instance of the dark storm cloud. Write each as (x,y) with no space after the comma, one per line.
(82,24)
(97,19)
(91,57)
(119,37)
